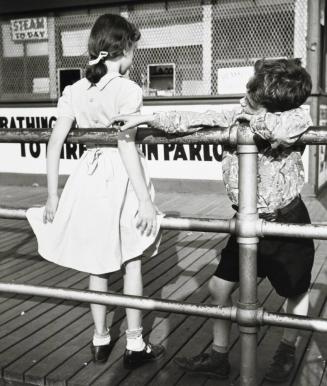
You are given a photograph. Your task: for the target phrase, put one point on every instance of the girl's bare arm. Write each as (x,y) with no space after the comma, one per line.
(147,212)
(56,141)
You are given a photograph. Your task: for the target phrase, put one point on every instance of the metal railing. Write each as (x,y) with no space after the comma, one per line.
(246,226)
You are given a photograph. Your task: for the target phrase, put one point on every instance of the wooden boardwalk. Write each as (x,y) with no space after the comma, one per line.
(47,342)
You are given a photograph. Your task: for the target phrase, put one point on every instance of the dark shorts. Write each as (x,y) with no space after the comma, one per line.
(285,261)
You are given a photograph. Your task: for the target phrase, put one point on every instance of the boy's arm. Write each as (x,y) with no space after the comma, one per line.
(177,121)
(189,121)
(283,128)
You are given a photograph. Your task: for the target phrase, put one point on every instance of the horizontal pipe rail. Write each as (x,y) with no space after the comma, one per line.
(294,321)
(176,223)
(264,228)
(315,135)
(307,231)
(114,299)
(109,136)
(226,313)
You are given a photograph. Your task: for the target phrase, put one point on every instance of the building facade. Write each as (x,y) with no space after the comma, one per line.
(193,54)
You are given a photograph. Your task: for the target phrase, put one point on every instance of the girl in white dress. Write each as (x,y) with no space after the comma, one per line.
(105,219)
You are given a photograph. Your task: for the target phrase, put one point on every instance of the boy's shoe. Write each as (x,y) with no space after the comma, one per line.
(282,365)
(150,353)
(101,353)
(214,364)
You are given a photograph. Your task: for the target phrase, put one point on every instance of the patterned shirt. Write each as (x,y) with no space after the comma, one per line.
(280,167)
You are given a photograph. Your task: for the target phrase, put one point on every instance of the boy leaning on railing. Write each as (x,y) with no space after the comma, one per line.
(272,106)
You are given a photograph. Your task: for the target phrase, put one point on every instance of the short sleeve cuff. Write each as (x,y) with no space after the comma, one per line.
(65,105)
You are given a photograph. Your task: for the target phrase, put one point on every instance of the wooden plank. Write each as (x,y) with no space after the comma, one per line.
(145,280)
(273,337)
(56,270)
(54,347)
(269,338)
(30,277)
(324,378)
(89,337)
(46,266)
(160,326)
(48,310)
(38,311)
(36,306)
(197,342)
(266,343)
(264,292)
(45,329)
(313,362)
(154,289)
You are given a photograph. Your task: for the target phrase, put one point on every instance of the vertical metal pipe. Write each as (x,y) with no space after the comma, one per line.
(248,273)
(248,358)
(247,239)
(207,47)
(313,67)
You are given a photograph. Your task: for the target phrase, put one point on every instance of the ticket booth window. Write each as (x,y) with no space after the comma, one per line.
(67,77)
(161,79)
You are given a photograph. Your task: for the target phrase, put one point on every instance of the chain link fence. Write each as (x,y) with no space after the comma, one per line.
(188,48)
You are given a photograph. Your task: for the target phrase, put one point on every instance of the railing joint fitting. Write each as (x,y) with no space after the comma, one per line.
(247,314)
(246,228)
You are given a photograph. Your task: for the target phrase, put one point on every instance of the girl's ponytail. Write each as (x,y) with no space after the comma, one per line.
(95,72)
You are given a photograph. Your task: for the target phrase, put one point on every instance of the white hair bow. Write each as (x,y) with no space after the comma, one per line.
(102,54)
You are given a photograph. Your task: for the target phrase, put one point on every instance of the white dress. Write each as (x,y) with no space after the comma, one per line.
(94,229)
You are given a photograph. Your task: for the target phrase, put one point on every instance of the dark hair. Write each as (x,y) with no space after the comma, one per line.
(279,84)
(112,34)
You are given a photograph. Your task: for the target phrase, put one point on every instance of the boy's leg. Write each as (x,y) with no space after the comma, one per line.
(284,358)
(298,305)
(289,262)
(221,291)
(216,363)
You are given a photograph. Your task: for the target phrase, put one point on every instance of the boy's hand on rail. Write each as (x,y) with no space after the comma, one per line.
(147,218)
(50,209)
(243,116)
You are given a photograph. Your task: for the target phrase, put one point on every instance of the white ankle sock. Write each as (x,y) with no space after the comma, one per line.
(134,340)
(101,340)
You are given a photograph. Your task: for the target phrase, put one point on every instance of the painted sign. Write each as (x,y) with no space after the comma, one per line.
(233,80)
(165,161)
(32,28)
(168,161)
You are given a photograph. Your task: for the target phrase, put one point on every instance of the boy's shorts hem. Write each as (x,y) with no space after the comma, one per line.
(286,262)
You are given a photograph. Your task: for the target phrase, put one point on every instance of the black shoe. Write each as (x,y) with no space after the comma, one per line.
(211,365)
(101,353)
(282,365)
(150,353)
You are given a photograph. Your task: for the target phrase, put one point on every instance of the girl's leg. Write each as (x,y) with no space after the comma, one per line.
(137,352)
(133,285)
(221,291)
(99,312)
